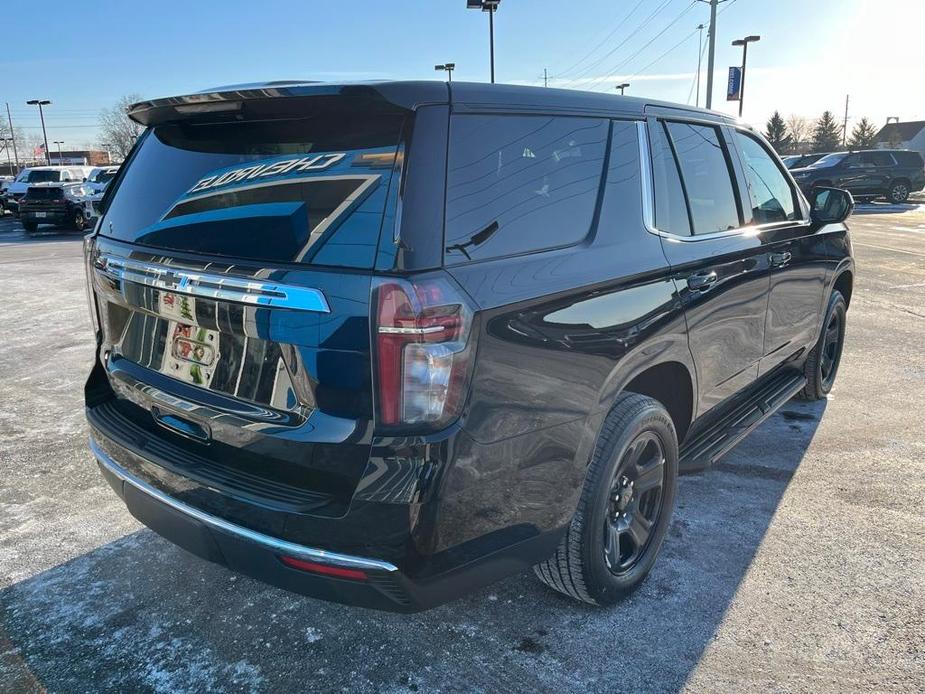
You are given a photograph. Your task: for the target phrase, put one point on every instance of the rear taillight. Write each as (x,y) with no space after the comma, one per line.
(88,270)
(424,342)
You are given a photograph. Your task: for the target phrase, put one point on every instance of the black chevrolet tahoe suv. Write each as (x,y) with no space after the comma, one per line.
(889,173)
(387,343)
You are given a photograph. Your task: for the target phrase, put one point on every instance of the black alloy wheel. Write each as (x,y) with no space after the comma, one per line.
(635,503)
(832,348)
(822,363)
(80,222)
(625,507)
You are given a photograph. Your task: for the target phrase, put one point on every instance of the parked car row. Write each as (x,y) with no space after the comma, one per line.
(59,195)
(890,173)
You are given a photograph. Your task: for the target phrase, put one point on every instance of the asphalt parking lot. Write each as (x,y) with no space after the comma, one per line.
(795,564)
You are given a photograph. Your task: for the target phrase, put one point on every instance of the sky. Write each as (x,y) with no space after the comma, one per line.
(812,53)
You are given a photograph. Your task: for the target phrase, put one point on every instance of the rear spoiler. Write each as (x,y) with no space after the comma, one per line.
(402,96)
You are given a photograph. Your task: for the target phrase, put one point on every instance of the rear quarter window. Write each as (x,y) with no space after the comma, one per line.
(913,159)
(519,184)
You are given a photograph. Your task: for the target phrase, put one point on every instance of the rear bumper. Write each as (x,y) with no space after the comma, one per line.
(44,216)
(253,553)
(411,584)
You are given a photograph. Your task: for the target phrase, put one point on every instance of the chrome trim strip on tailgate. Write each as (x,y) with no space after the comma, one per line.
(213,522)
(211,285)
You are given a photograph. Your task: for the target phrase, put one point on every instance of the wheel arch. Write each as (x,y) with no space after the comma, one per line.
(664,371)
(844,283)
(671,384)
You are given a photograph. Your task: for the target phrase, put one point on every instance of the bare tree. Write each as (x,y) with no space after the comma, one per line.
(4,145)
(799,129)
(117,130)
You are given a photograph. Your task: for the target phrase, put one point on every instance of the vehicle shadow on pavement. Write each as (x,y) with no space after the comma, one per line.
(885,208)
(139,613)
(42,236)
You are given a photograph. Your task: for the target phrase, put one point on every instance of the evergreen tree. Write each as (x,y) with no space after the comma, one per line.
(826,134)
(863,136)
(777,133)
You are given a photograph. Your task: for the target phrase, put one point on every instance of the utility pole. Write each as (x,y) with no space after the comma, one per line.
(844,129)
(545,78)
(712,56)
(12,135)
(699,60)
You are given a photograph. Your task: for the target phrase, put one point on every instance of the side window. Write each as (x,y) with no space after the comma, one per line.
(517,184)
(879,158)
(771,195)
(670,207)
(706,178)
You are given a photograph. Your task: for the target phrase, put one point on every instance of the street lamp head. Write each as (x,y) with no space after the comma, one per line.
(746,40)
(483,5)
(38,102)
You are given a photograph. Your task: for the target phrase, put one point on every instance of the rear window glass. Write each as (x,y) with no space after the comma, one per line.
(43,176)
(517,184)
(44,193)
(309,190)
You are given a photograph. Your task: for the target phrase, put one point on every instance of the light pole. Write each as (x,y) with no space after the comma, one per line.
(40,103)
(489,6)
(449,67)
(621,87)
(60,156)
(744,43)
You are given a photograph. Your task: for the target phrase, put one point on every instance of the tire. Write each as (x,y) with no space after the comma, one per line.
(30,227)
(898,192)
(822,364)
(581,566)
(79,222)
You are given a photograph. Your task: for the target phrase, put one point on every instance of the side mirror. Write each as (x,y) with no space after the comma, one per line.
(85,179)
(830,205)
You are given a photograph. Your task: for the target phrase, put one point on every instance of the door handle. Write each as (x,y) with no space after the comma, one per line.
(778,259)
(702,281)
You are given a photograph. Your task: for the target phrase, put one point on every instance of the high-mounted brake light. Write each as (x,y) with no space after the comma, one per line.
(424,341)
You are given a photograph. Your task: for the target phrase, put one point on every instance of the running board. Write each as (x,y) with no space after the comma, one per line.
(709,445)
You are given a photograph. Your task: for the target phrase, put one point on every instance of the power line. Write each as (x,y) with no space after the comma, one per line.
(673,48)
(648,43)
(619,25)
(584,71)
